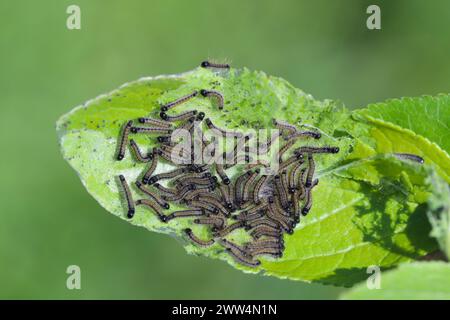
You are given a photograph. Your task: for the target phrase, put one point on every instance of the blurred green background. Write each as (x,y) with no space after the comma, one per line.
(48,221)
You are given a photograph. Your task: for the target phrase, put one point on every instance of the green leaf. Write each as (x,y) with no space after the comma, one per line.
(410,125)
(439,212)
(427,116)
(369,207)
(414,281)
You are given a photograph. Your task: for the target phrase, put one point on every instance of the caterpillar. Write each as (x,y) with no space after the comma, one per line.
(281,191)
(150,130)
(245,216)
(137,152)
(166,175)
(203,205)
(217,221)
(229,229)
(262,222)
(199,242)
(284,149)
(301,134)
(247,185)
(308,202)
(215,94)
(261,231)
(221,172)
(409,156)
(295,158)
(152,205)
(258,187)
(181,194)
(224,132)
(148,173)
(276,252)
(239,257)
(185,214)
(284,126)
(195,193)
(155,122)
(166,191)
(311,168)
(154,197)
(214,202)
(123,140)
(225,192)
(128,196)
(238,187)
(179,101)
(308,149)
(208,64)
(293,175)
(179,117)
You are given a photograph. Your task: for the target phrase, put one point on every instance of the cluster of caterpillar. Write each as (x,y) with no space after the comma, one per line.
(266,206)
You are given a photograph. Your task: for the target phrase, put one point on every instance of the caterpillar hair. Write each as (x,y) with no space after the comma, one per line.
(179,117)
(311,168)
(152,205)
(154,196)
(409,156)
(291,160)
(123,140)
(282,125)
(215,94)
(221,172)
(203,205)
(137,153)
(199,242)
(272,251)
(208,64)
(217,222)
(258,187)
(281,192)
(149,171)
(308,149)
(151,130)
(185,214)
(238,187)
(293,175)
(229,229)
(242,259)
(225,192)
(248,184)
(179,101)
(128,196)
(155,122)
(301,134)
